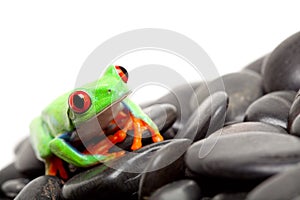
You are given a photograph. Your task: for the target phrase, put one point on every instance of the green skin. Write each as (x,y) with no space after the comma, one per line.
(48,131)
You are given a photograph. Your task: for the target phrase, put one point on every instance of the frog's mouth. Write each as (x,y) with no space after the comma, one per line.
(93,128)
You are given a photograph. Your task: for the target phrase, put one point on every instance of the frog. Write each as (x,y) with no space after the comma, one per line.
(50,131)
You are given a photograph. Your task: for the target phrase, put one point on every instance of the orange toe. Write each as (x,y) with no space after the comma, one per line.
(137,144)
(157,138)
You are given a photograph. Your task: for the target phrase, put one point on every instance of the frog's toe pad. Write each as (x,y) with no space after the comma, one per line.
(157,138)
(137,144)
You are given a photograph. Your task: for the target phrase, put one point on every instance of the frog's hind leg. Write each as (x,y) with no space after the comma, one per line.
(141,122)
(54,166)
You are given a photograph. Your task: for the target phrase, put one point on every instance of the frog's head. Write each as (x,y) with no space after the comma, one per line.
(88,101)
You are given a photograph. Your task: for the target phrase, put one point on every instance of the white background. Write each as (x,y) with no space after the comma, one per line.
(43,45)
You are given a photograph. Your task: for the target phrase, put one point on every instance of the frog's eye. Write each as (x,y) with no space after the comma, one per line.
(122,73)
(79,101)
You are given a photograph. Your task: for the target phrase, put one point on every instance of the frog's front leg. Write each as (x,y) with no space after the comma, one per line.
(139,126)
(66,152)
(141,122)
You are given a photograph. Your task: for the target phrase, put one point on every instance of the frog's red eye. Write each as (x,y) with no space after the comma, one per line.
(79,101)
(122,73)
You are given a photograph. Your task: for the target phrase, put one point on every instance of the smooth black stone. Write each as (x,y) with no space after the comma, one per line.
(272,108)
(231,123)
(179,97)
(9,172)
(247,156)
(245,127)
(116,179)
(166,166)
(256,66)
(4,198)
(294,117)
(288,95)
(228,196)
(207,118)
(283,186)
(179,190)
(242,88)
(19,145)
(281,70)
(169,134)
(163,115)
(11,188)
(42,188)
(26,161)
(212,186)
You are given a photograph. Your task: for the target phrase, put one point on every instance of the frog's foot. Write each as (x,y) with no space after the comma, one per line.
(54,166)
(139,127)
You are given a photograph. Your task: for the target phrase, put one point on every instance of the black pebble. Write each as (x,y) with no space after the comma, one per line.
(169,134)
(12,187)
(26,161)
(272,108)
(163,115)
(8,173)
(207,118)
(178,97)
(294,117)
(283,186)
(242,88)
(180,190)
(247,156)
(42,188)
(245,127)
(19,145)
(256,66)
(282,68)
(166,166)
(232,196)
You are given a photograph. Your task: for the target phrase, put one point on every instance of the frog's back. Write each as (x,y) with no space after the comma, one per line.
(55,115)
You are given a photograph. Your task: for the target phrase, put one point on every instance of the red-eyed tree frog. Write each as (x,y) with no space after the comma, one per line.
(49,133)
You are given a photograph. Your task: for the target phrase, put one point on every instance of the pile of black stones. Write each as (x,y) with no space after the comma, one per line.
(236,140)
